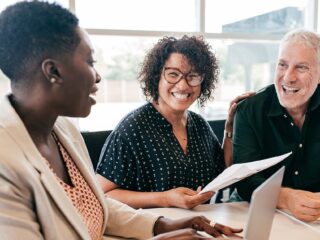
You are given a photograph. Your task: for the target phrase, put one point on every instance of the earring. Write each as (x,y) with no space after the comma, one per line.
(53,80)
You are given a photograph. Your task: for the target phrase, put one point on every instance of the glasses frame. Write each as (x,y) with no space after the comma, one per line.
(181,76)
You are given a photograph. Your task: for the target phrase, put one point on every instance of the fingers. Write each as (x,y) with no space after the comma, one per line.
(201,223)
(304,205)
(200,198)
(241,97)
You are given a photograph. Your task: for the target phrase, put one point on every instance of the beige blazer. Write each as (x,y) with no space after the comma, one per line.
(32,203)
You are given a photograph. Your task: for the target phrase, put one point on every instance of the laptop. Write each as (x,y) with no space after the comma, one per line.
(262,207)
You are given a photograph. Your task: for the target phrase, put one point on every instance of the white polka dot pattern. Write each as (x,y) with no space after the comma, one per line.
(142,153)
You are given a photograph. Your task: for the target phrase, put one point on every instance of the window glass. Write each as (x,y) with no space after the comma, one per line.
(118,62)
(245,66)
(153,15)
(5,3)
(265,17)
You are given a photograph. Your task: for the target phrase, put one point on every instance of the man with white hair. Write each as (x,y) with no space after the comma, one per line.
(284,117)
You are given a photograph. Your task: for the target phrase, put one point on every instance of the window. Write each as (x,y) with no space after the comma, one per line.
(245,42)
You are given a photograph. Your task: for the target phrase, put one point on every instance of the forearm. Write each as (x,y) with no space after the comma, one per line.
(227,142)
(227,150)
(139,199)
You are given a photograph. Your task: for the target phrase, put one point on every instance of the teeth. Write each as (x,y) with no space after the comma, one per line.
(290,89)
(181,96)
(93,95)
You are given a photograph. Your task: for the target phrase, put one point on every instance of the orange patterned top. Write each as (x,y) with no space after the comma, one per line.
(82,196)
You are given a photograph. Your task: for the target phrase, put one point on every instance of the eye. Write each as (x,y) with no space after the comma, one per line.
(282,65)
(302,68)
(193,75)
(91,62)
(173,73)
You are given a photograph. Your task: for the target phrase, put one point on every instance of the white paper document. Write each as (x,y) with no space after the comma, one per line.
(237,172)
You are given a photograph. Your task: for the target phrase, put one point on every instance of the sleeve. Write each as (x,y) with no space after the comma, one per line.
(127,222)
(246,148)
(17,217)
(115,159)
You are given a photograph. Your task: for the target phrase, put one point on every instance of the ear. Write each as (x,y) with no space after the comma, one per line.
(50,70)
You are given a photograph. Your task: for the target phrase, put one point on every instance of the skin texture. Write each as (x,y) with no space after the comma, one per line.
(297,77)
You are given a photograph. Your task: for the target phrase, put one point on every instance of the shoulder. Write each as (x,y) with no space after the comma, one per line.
(199,123)
(259,101)
(198,119)
(137,119)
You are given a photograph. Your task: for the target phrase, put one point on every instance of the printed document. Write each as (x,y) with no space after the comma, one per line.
(237,172)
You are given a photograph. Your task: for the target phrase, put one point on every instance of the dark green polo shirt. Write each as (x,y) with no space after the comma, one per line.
(264,129)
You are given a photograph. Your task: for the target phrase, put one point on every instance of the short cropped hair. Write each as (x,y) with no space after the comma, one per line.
(303,36)
(197,52)
(33,31)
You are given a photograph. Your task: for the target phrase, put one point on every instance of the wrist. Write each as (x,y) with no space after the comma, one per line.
(283,198)
(228,134)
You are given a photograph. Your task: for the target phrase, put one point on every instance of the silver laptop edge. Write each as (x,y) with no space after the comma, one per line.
(264,201)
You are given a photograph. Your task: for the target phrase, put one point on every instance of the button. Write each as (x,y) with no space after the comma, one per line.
(300,145)
(292,124)
(296,173)
(285,116)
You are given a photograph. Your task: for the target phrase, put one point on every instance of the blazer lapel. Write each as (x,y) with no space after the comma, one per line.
(78,152)
(15,128)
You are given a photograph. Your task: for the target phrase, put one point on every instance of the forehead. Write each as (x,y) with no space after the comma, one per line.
(297,52)
(178,60)
(85,46)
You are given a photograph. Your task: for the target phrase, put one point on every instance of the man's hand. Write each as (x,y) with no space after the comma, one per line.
(303,205)
(185,198)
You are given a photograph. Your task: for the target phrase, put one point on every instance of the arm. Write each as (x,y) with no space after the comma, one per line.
(17,216)
(227,139)
(178,197)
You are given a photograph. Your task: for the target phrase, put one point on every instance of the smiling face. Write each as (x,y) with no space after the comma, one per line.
(297,75)
(177,98)
(79,78)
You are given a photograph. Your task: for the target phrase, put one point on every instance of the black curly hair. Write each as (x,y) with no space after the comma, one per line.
(33,31)
(199,56)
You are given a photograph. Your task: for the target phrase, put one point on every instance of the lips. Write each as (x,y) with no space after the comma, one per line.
(93,94)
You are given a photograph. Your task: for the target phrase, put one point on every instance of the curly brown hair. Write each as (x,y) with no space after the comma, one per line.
(199,56)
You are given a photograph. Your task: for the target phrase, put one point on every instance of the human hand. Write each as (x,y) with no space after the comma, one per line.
(185,197)
(232,109)
(189,227)
(303,205)
(185,234)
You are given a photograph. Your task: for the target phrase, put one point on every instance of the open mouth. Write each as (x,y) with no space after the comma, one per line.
(181,96)
(289,90)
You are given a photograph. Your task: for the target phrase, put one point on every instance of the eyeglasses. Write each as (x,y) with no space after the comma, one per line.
(174,75)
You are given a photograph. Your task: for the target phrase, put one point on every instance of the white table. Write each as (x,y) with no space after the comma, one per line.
(235,215)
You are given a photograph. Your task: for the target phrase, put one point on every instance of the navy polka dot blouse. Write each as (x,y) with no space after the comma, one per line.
(142,153)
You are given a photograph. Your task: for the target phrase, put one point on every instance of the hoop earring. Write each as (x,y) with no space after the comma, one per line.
(53,80)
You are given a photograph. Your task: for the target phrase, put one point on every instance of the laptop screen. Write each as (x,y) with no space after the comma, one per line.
(264,201)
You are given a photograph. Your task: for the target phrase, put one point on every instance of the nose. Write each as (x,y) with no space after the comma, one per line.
(183,83)
(289,75)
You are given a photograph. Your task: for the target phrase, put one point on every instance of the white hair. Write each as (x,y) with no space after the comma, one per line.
(303,36)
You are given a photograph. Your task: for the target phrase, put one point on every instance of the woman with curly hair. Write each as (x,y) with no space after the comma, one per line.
(161,154)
